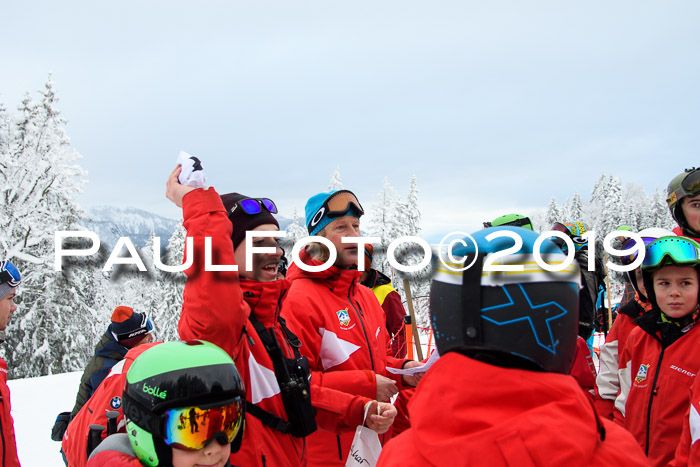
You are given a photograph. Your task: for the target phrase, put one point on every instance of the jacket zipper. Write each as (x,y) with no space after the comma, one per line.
(651,398)
(358,311)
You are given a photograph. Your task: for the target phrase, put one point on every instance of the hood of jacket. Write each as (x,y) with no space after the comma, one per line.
(264,298)
(464,405)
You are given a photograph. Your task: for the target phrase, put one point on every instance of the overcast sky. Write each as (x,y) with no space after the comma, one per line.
(495,106)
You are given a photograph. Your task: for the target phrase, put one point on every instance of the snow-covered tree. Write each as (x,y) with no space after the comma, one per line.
(336,183)
(553,214)
(38,185)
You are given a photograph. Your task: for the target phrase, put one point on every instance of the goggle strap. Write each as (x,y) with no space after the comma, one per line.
(141,416)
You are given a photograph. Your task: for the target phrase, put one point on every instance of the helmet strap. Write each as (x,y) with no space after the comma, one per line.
(471,309)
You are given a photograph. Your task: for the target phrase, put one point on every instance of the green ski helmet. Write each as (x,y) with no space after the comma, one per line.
(182,394)
(681,186)
(514,220)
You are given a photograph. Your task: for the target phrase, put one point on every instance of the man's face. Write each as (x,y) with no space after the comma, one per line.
(346,226)
(691,211)
(7,307)
(264,267)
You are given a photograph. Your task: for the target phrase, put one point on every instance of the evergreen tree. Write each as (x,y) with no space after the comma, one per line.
(336,182)
(553,214)
(38,185)
(576,207)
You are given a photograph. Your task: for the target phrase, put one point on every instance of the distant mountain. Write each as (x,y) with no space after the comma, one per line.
(111,222)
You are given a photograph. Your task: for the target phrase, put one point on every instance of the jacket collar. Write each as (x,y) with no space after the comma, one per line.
(264,298)
(338,280)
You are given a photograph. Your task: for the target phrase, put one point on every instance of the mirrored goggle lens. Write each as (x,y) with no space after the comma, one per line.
(191,427)
(629,244)
(676,249)
(9,274)
(342,202)
(691,183)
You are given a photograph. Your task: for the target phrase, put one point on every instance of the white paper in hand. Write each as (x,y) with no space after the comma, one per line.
(192,172)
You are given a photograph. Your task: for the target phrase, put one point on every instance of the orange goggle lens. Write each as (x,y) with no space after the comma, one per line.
(190,428)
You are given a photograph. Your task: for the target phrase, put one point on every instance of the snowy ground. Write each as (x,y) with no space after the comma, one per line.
(35,404)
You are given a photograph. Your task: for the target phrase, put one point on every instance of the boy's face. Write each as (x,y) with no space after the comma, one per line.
(7,307)
(264,267)
(211,455)
(676,289)
(691,211)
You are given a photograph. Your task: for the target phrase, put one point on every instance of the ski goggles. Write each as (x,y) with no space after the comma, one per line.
(671,250)
(191,428)
(9,274)
(336,205)
(145,327)
(254,205)
(629,244)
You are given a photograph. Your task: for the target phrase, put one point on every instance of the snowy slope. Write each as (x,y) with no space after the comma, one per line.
(35,404)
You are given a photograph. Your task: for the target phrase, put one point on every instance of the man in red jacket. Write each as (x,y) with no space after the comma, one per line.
(340,321)
(500,394)
(9,280)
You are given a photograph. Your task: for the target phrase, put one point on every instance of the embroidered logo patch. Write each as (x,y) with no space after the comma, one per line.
(115,403)
(642,373)
(343,317)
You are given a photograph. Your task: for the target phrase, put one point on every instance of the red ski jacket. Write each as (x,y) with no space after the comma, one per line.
(343,329)
(107,397)
(678,231)
(608,380)
(8,448)
(390,300)
(217,306)
(688,451)
(466,412)
(657,368)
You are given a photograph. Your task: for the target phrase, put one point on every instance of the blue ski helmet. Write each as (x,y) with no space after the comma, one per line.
(529,317)
(575,231)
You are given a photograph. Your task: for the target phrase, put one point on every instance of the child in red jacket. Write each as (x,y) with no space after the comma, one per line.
(660,359)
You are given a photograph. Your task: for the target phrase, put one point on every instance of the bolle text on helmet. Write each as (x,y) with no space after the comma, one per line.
(154,391)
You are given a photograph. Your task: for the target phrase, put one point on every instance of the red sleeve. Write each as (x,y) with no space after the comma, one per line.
(394,312)
(337,411)
(213,308)
(113,459)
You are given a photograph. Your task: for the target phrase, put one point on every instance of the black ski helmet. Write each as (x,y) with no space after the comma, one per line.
(529,317)
(175,375)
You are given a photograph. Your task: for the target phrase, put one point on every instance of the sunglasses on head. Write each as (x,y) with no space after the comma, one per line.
(9,274)
(674,250)
(337,205)
(255,205)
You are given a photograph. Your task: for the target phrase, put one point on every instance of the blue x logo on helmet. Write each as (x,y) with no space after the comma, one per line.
(528,316)
(9,277)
